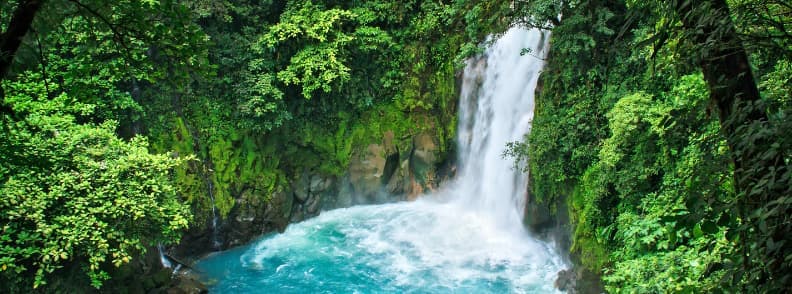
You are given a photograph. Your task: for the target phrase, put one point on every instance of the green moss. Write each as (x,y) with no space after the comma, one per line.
(421,98)
(240,162)
(178,140)
(592,254)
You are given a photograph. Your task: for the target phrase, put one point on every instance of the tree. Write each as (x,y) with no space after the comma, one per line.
(663,197)
(74,194)
(761,165)
(19,24)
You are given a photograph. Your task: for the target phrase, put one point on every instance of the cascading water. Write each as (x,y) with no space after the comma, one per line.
(216,244)
(496,107)
(164,261)
(467,238)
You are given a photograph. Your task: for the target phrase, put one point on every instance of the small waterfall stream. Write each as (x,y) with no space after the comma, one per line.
(466,238)
(216,244)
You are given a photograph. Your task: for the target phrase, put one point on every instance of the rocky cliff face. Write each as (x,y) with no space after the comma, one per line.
(392,169)
(243,185)
(378,173)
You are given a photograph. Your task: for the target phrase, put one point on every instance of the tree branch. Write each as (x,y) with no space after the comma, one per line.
(118,35)
(11,39)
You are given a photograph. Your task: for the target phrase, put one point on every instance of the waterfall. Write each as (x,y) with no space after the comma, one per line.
(496,107)
(466,238)
(216,244)
(166,263)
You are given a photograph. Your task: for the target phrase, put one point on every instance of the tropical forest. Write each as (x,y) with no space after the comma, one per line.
(380,146)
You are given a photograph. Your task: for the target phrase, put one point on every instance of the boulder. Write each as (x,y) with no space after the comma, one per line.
(566,281)
(425,150)
(423,162)
(319,184)
(186,283)
(398,182)
(343,198)
(302,187)
(365,171)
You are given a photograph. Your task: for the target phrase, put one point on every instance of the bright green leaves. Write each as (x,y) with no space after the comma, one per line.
(151,3)
(663,164)
(263,101)
(315,68)
(622,129)
(325,41)
(625,120)
(777,83)
(310,22)
(311,51)
(74,194)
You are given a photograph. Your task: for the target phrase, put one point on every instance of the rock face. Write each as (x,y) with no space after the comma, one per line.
(186,283)
(566,281)
(578,281)
(378,173)
(387,170)
(366,171)
(144,275)
(247,219)
(381,173)
(423,165)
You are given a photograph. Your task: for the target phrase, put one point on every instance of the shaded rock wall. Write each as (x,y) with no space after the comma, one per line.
(378,173)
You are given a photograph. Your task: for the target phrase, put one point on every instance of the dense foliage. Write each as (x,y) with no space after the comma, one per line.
(235,97)
(675,181)
(76,197)
(664,196)
(74,194)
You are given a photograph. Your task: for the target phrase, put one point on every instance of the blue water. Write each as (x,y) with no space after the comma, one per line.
(466,238)
(416,247)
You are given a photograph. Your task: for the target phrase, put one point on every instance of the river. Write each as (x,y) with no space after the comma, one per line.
(467,237)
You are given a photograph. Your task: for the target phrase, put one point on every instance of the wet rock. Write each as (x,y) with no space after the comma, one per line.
(566,281)
(302,187)
(256,213)
(343,198)
(297,214)
(538,216)
(365,170)
(398,182)
(186,283)
(425,148)
(162,277)
(423,161)
(320,184)
(312,205)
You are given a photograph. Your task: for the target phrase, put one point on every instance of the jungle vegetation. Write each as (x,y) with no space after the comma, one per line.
(664,125)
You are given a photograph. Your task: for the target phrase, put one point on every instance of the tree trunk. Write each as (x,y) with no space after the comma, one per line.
(11,39)
(733,90)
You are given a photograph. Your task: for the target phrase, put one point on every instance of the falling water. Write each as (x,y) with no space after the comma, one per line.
(166,263)
(216,244)
(496,107)
(467,238)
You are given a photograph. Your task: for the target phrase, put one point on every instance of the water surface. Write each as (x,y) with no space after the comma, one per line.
(466,238)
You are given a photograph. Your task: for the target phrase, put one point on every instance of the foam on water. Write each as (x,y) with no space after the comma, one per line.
(466,238)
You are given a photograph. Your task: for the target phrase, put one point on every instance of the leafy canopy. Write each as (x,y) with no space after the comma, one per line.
(74,194)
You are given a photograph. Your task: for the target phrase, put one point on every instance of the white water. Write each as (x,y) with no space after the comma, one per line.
(496,107)
(166,263)
(468,237)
